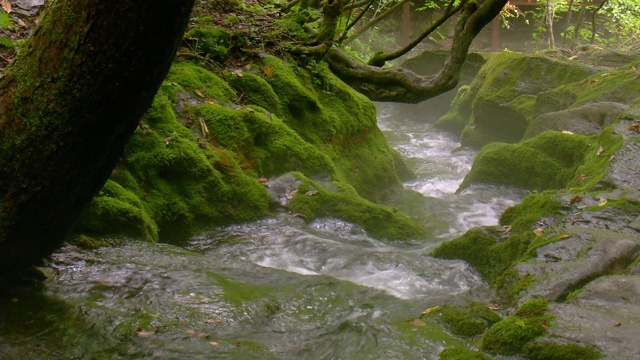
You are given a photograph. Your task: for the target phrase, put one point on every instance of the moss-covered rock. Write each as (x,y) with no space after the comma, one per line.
(467,321)
(461,353)
(511,335)
(314,200)
(195,160)
(209,41)
(500,97)
(544,162)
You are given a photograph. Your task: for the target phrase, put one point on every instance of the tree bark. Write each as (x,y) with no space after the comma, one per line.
(68,105)
(401,85)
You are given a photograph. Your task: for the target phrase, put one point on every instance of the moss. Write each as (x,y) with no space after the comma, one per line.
(511,335)
(545,162)
(379,221)
(482,250)
(461,353)
(117,211)
(256,90)
(467,321)
(459,114)
(511,285)
(523,216)
(190,77)
(595,164)
(209,41)
(88,242)
(554,351)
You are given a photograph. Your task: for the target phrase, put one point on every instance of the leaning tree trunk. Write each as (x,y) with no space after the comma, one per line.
(68,105)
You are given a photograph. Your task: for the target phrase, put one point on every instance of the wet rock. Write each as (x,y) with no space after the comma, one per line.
(624,171)
(564,266)
(588,119)
(605,313)
(281,188)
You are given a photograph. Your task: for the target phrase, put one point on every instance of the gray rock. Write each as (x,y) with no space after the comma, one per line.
(588,119)
(566,265)
(605,313)
(624,171)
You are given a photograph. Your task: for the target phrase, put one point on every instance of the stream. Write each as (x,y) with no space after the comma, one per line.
(277,288)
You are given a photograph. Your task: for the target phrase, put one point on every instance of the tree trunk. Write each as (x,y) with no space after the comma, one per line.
(68,105)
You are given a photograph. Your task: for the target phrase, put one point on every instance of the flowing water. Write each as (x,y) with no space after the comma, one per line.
(272,289)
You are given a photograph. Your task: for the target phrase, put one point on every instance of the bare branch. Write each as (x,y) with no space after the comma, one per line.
(373,22)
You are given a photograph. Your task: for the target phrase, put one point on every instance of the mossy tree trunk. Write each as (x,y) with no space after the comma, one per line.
(68,105)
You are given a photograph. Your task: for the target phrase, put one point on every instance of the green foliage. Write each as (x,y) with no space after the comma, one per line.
(209,41)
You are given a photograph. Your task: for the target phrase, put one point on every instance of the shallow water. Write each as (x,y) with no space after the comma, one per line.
(276,288)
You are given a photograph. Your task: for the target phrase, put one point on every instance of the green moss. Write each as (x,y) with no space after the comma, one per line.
(256,90)
(378,220)
(545,162)
(523,216)
(461,353)
(88,242)
(483,250)
(459,114)
(191,77)
(117,211)
(511,285)
(555,351)
(209,41)
(511,335)
(595,163)
(467,321)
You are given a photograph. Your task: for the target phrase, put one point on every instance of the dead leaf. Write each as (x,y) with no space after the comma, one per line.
(263,180)
(581,177)
(302,216)
(574,57)
(544,325)
(311,192)
(142,333)
(237,72)
(602,202)
(167,141)
(505,229)
(567,132)
(212,102)
(6,6)
(494,307)
(203,127)
(214,344)
(268,71)
(290,194)
(213,321)
(538,231)
(199,93)
(418,323)
(430,310)
(600,150)
(575,199)
(617,324)
(565,236)
(635,127)
(612,158)
(197,333)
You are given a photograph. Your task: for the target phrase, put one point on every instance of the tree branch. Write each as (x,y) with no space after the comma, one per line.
(355,21)
(402,85)
(379,58)
(373,22)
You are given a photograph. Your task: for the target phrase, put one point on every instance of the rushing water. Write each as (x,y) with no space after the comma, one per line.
(277,288)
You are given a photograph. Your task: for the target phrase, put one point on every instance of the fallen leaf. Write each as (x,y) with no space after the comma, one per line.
(142,333)
(633,68)
(565,236)
(418,323)
(268,71)
(538,231)
(203,127)
(214,344)
(567,132)
(263,180)
(237,73)
(602,202)
(581,177)
(635,127)
(191,332)
(167,141)
(574,57)
(14,300)
(212,102)
(311,192)
(214,321)
(581,207)
(600,150)
(238,343)
(505,229)
(6,6)
(617,324)
(575,199)
(612,157)
(430,310)
(302,216)
(290,194)
(199,93)
(493,307)
(544,324)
